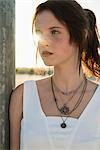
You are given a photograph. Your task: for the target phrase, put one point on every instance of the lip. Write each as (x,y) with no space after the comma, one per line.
(46,53)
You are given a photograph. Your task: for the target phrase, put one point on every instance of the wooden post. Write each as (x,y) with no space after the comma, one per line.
(7,66)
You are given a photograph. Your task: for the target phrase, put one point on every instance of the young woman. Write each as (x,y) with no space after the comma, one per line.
(61,112)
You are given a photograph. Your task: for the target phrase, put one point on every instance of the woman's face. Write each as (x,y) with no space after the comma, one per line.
(54,40)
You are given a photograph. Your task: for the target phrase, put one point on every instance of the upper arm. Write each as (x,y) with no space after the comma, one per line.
(15,116)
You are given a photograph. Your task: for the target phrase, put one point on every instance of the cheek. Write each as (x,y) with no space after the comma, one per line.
(57,40)
(61,44)
(64,49)
(61,41)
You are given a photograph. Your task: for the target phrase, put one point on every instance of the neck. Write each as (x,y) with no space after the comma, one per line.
(67,78)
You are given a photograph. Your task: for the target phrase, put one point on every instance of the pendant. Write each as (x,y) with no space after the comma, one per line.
(64,110)
(63,125)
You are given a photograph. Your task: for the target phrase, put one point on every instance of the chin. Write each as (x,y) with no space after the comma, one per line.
(48,63)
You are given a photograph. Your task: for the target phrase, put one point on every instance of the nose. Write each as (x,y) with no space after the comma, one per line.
(44,40)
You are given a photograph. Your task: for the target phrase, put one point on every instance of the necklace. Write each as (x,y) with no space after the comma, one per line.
(67,93)
(65,110)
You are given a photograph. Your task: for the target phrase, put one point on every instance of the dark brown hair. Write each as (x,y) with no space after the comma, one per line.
(92,57)
(71,14)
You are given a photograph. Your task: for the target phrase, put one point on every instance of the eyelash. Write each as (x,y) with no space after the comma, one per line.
(38,33)
(54,32)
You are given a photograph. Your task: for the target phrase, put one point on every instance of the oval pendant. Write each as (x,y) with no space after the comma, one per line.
(63,125)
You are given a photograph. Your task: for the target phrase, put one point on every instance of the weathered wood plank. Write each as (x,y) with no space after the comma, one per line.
(7,66)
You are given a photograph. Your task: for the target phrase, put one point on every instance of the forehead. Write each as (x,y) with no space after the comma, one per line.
(46,19)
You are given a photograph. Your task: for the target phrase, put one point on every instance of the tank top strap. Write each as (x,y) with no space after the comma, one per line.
(30,100)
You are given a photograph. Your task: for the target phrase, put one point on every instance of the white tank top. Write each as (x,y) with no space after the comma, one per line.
(39,132)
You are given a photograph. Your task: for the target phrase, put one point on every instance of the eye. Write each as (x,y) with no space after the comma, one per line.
(54,32)
(37,36)
(38,33)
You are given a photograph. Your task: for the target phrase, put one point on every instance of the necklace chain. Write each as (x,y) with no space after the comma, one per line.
(70,92)
(65,110)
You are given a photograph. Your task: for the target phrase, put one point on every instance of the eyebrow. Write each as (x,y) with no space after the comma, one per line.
(55,27)
(51,28)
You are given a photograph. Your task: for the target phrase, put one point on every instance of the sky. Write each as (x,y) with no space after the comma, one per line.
(25,53)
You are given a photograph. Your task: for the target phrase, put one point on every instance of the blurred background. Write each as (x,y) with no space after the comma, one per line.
(26,66)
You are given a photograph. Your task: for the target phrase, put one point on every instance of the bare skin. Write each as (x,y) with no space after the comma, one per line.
(15,115)
(55,49)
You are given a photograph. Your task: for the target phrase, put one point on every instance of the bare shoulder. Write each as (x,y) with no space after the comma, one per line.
(16,102)
(17,95)
(44,83)
(17,92)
